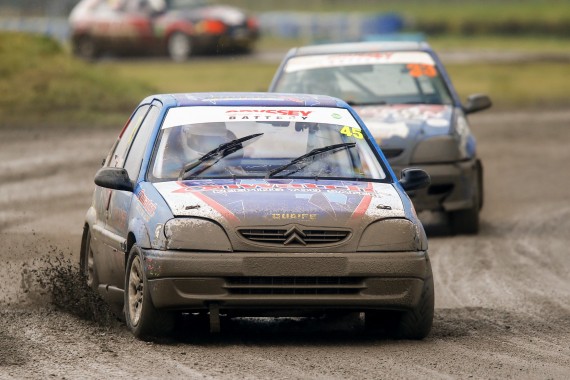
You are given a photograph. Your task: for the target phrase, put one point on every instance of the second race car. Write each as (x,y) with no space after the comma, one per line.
(403,93)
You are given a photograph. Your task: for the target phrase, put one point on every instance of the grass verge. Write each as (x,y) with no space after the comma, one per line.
(40,82)
(42,85)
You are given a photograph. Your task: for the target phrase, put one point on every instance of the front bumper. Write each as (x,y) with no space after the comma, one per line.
(276,281)
(451,187)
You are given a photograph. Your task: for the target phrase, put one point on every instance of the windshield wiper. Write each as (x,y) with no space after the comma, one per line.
(310,157)
(212,157)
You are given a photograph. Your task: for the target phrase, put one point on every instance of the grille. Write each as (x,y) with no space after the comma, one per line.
(294,236)
(294,285)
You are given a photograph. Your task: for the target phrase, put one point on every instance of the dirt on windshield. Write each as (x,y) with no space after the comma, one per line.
(502,297)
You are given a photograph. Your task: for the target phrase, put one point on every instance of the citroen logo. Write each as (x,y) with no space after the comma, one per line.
(294,236)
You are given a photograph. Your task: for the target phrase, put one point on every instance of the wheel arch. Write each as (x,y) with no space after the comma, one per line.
(138,234)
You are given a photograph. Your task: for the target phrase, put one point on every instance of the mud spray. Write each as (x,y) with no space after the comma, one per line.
(55,280)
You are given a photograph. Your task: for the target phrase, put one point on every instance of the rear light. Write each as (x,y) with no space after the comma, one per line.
(252,23)
(211,27)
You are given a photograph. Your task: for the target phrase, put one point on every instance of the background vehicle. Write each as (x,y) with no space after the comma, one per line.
(255,204)
(403,93)
(178,28)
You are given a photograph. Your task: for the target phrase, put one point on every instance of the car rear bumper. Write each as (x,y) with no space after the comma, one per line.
(451,187)
(233,281)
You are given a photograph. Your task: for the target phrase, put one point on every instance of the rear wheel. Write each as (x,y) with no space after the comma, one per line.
(142,318)
(86,48)
(179,46)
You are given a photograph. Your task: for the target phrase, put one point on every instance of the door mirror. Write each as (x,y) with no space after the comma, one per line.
(477,102)
(414,179)
(114,178)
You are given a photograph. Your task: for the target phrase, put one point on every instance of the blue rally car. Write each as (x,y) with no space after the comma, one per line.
(249,204)
(404,95)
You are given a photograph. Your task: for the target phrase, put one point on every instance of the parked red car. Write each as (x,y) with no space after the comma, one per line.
(179,28)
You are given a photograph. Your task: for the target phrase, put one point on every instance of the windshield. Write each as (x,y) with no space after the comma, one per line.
(367,78)
(258,142)
(186,4)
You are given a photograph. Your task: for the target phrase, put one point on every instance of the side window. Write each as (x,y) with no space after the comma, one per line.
(120,153)
(136,153)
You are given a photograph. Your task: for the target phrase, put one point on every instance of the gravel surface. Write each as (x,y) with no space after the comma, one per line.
(502,297)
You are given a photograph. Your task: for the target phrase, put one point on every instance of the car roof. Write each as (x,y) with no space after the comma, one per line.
(360,47)
(246,99)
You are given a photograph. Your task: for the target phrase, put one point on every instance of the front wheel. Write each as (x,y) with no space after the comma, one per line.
(467,221)
(142,318)
(87,261)
(179,46)
(411,324)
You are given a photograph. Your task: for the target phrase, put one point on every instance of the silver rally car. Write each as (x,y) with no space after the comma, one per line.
(253,204)
(404,95)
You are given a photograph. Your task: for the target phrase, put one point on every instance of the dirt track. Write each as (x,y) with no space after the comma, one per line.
(502,298)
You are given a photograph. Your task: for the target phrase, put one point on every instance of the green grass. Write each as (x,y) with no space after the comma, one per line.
(426,10)
(520,85)
(199,75)
(42,84)
(534,44)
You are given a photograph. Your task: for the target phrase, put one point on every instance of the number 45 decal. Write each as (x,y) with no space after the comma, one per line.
(348,132)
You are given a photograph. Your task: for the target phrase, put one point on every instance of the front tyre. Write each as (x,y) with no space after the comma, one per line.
(179,46)
(467,221)
(142,318)
(411,324)
(416,323)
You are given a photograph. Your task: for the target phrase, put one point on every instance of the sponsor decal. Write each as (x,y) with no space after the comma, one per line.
(147,204)
(243,187)
(293,216)
(403,112)
(267,114)
(302,63)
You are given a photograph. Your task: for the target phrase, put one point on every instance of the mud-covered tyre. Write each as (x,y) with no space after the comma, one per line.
(467,221)
(411,324)
(142,318)
(87,262)
(416,323)
(179,46)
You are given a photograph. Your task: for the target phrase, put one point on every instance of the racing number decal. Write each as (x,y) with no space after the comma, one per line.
(417,70)
(354,132)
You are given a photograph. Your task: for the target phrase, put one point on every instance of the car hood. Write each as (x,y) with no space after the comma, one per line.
(397,128)
(244,203)
(227,14)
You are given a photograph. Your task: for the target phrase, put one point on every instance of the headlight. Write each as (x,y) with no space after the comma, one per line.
(395,234)
(436,149)
(195,234)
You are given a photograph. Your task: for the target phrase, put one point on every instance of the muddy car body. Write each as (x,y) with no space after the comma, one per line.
(404,95)
(255,204)
(178,28)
